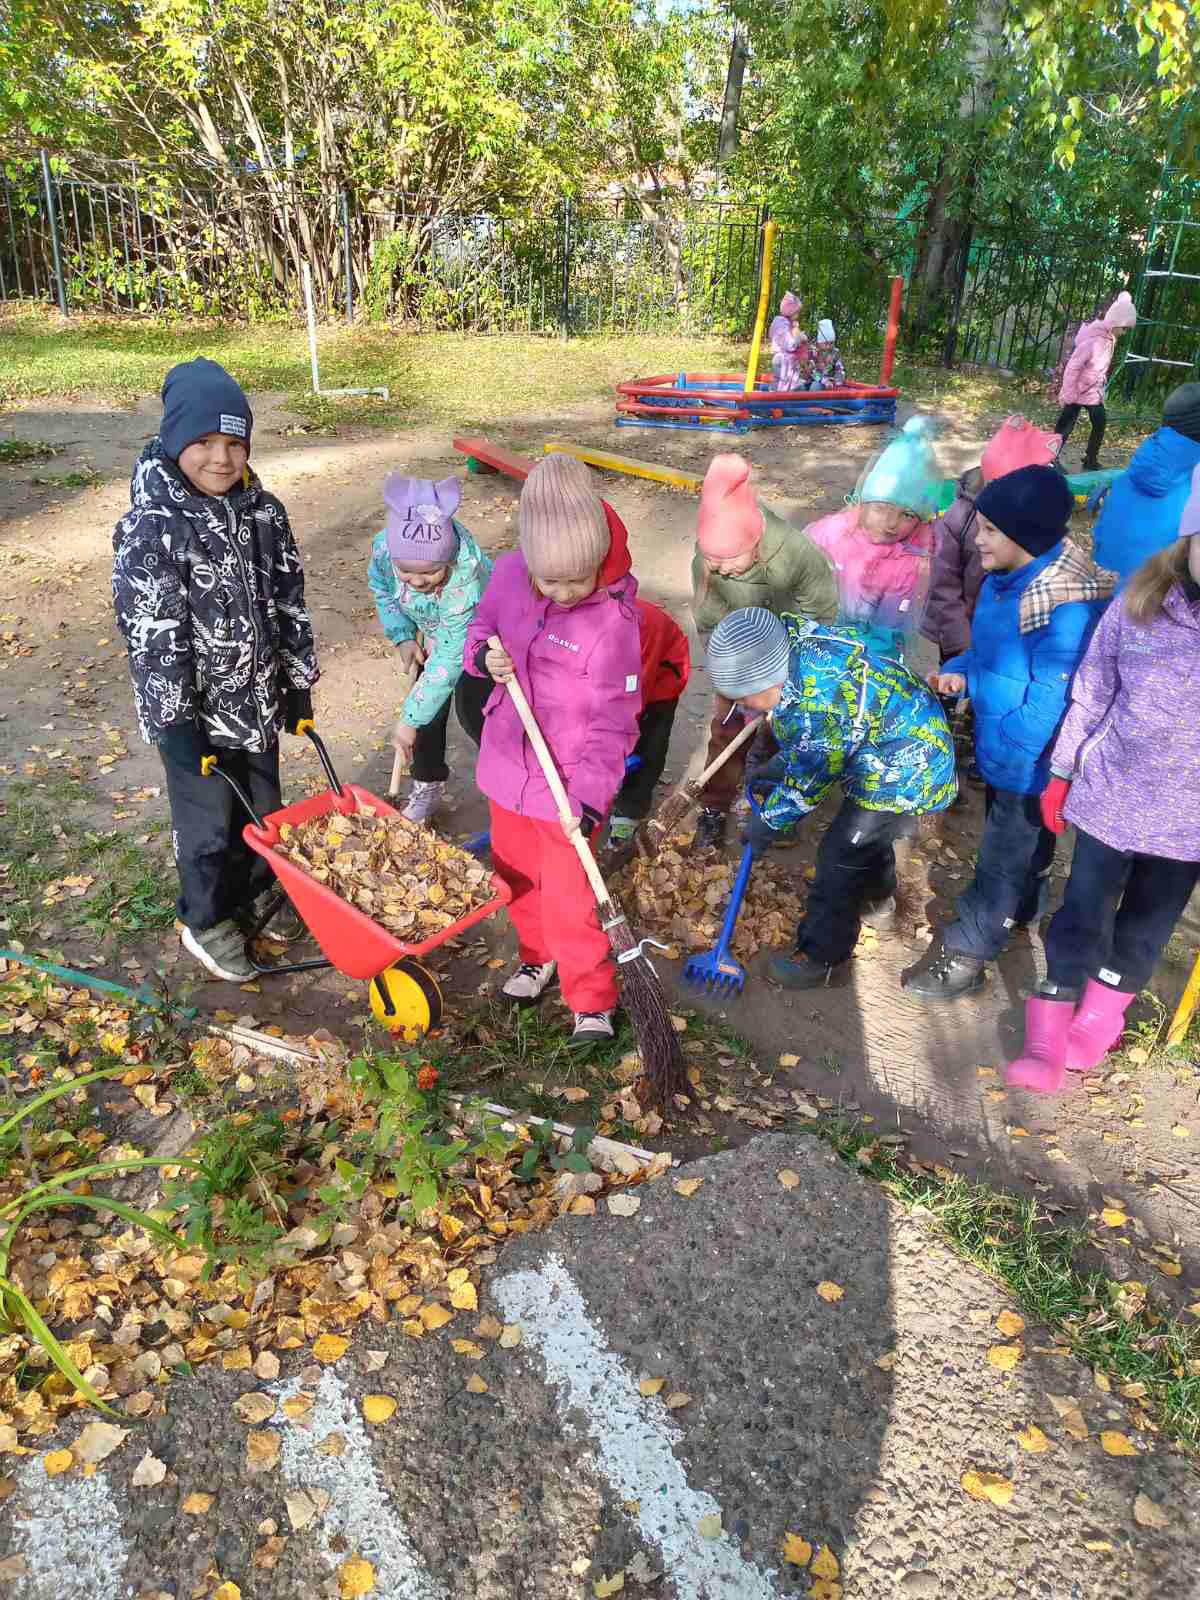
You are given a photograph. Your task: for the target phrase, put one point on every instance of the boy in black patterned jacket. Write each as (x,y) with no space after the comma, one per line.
(209,595)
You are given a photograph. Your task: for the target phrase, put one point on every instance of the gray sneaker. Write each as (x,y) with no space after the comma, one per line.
(221,951)
(423,801)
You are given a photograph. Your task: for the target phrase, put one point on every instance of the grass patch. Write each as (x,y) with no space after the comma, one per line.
(464,379)
(15,452)
(1151,1358)
(45,842)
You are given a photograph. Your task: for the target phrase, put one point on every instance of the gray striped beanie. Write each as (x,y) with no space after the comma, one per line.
(748,652)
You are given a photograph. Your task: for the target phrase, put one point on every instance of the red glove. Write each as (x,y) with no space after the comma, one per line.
(1054,797)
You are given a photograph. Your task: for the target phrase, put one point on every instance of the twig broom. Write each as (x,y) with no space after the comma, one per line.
(645,1000)
(656,830)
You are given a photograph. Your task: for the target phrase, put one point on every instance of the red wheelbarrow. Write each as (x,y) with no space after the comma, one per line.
(404,995)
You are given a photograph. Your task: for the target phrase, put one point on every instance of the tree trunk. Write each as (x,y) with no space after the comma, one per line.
(731,108)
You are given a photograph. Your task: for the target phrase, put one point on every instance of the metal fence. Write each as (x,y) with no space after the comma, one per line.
(116,238)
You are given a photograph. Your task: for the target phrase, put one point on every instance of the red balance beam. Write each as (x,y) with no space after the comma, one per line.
(495,456)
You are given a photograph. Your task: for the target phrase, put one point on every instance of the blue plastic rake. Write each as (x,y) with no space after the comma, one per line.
(717,971)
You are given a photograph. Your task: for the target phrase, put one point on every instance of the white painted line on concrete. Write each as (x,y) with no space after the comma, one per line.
(634,1436)
(69,1531)
(360,1510)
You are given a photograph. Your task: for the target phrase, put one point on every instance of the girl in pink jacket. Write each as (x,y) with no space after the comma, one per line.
(1085,376)
(790,350)
(574,645)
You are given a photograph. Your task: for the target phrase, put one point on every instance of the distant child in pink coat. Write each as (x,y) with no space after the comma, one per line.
(882,545)
(574,646)
(790,351)
(1085,377)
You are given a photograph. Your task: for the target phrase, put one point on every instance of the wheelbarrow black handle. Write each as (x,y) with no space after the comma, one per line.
(209,765)
(307,726)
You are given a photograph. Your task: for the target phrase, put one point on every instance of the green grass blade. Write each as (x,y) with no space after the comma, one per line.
(57,1089)
(50,1344)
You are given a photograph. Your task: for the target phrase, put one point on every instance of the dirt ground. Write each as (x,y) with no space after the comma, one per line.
(1126,1133)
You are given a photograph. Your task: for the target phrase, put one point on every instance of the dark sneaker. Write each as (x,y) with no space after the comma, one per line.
(944,974)
(799,972)
(710,830)
(221,951)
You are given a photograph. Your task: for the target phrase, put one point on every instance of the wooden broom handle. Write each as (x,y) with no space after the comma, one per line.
(554,782)
(734,744)
(407,679)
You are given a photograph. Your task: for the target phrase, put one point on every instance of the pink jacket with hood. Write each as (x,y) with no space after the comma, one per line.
(580,668)
(1085,376)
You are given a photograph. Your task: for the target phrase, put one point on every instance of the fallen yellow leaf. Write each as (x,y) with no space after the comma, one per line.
(1181,1132)
(378,1407)
(1010,1324)
(687,1186)
(789,1060)
(1112,1218)
(710,1527)
(464,1298)
(262,1451)
(1097,1546)
(254,1408)
(796,1550)
(435,1316)
(227,1591)
(788,1178)
(987,1486)
(330,1347)
(1004,1357)
(510,1336)
(299,1405)
(825,1563)
(58,1462)
(356,1577)
(476,1385)
(1170,1269)
(489,1327)
(1116,1444)
(607,1586)
(197,1504)
(650,1386)
(823,1589)
(1033,1439)
(677,1400)
(1069,1414)
(468,1348)
(830,1291)
(98,1441)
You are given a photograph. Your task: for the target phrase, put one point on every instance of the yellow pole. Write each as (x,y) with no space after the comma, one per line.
(764,296)
(1179,1024)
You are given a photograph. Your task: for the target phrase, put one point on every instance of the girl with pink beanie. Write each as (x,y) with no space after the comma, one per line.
(745,556)
(1085,377)
(573,643)
(790,350)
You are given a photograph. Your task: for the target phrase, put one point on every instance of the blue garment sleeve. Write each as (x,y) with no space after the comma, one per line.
(396,622)
(814,751)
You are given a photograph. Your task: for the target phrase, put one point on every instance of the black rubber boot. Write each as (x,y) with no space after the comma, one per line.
(944,974)
(710,830)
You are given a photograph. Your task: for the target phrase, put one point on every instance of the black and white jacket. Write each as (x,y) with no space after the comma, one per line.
(209,594)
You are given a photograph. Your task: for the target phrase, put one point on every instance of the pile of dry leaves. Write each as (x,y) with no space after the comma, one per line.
(399,874)
(681,896)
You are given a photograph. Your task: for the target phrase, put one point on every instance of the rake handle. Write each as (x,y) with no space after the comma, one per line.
(737,895)
(734,744)
(408,678)
(554,783)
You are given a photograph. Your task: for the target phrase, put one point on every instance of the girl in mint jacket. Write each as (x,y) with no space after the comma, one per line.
(428,575)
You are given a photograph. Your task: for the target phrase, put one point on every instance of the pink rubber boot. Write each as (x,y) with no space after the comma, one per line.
(1043,1065)
(1099,1023)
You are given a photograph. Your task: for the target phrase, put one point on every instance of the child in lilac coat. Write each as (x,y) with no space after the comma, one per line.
(574,645)
(790,351)
(1125,768)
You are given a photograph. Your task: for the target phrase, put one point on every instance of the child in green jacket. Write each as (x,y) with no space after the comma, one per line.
(428,575)
(747,556)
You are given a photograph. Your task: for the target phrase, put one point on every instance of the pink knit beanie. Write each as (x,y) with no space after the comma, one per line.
(1122,313)
(1018,443)
(564,531)
(730,522)
(789,306)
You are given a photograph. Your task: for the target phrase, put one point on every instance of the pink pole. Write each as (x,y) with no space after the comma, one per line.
(893,332)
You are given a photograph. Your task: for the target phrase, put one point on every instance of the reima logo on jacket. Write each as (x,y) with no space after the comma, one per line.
(567,644)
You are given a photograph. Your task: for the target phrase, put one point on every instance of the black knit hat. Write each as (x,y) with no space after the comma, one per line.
(1032,506)
(1182,410)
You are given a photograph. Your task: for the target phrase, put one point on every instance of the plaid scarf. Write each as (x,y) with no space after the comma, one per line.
(1073,576)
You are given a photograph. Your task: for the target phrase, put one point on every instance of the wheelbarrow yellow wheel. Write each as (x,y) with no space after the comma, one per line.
(406,999)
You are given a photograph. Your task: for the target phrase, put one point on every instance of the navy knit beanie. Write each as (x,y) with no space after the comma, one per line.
(200,397)
(1182,411)
(748,653)
(1032,506)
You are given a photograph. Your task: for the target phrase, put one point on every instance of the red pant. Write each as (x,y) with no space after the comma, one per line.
(553,908)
